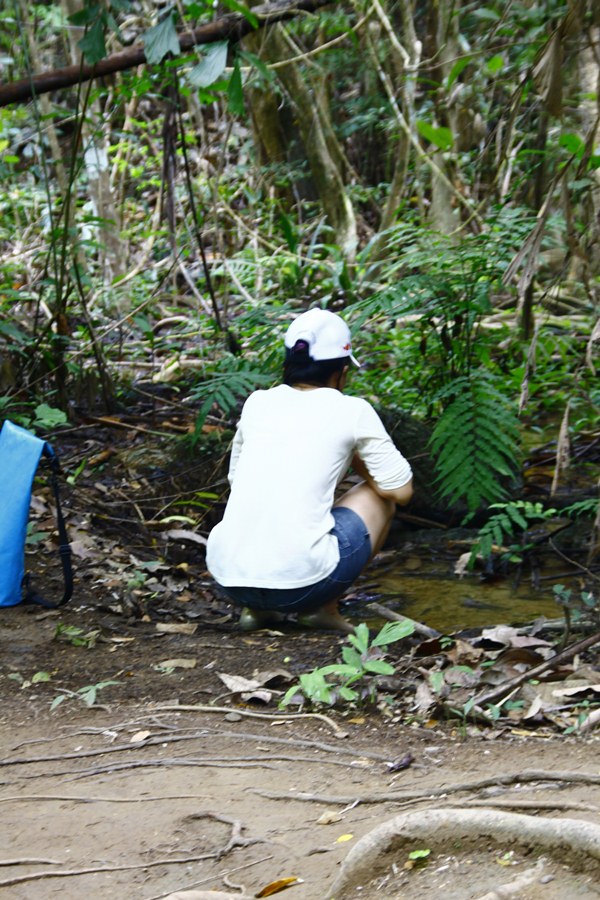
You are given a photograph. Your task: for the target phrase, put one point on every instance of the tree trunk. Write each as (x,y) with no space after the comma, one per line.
(323,152)
(95,154)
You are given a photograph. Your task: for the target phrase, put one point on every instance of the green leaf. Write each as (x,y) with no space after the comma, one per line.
(290,694)
(393,631)
(456,70)
(495,64)
(48,417)
(92,44)
(360,638)
(352,657)
(40,676)
(441,137)
(243,9)
(419,854)
(338,669)
(289,232)
(260,66)
(573,144)
(211,67)
(489,15)
(348,694)
(85,16)
(160,40)
(235,92)
(379,667)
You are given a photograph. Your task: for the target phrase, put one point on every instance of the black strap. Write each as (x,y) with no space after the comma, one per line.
(31,596)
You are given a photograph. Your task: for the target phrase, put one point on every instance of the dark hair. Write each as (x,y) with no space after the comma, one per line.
(300,367)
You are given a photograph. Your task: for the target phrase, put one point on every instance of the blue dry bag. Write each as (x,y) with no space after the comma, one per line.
(20,453)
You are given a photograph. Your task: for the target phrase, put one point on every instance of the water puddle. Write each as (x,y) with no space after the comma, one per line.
(450,605)
(430,593)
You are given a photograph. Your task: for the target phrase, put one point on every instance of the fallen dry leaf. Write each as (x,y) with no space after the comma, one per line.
(182,663)
(181,534)
(280,885)
(237,684)
(329,818)
(176,627)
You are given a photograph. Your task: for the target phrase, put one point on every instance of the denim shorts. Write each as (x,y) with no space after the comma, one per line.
(354,545)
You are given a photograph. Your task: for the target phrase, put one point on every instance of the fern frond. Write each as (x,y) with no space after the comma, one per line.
(475,441)
(225,387)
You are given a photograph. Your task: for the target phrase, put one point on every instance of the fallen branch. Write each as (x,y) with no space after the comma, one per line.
(232,28)
(548,664)
(391,616)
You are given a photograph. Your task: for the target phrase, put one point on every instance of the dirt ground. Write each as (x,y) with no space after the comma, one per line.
(141,795)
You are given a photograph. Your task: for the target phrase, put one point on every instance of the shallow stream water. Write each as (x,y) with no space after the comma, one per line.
(450,604)
(428,591)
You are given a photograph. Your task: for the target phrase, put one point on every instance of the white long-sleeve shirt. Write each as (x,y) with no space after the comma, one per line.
(291,449)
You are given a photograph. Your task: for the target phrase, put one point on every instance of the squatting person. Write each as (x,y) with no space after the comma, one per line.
(284,547)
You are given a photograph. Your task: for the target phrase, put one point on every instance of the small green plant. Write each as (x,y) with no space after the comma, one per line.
(576,606)
(356,678)
(78,637)
(418,858)
(87,694)
(34,536)
(504,527)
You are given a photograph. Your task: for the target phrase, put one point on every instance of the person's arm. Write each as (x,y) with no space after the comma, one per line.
(378,460)
(401,495)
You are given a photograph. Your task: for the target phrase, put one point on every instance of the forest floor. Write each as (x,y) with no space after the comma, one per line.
(168,767)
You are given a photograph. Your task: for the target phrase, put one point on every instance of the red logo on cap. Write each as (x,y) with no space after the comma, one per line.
(346,347)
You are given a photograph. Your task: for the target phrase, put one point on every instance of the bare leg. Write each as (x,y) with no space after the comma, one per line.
(377,514)
(375,511)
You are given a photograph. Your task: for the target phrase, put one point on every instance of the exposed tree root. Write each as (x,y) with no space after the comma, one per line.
(28,861)
(246,713)
(516,886)
(443,827)
(175,738)
(235,840)
(430,793)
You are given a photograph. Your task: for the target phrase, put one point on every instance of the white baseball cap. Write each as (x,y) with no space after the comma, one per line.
(327,335)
